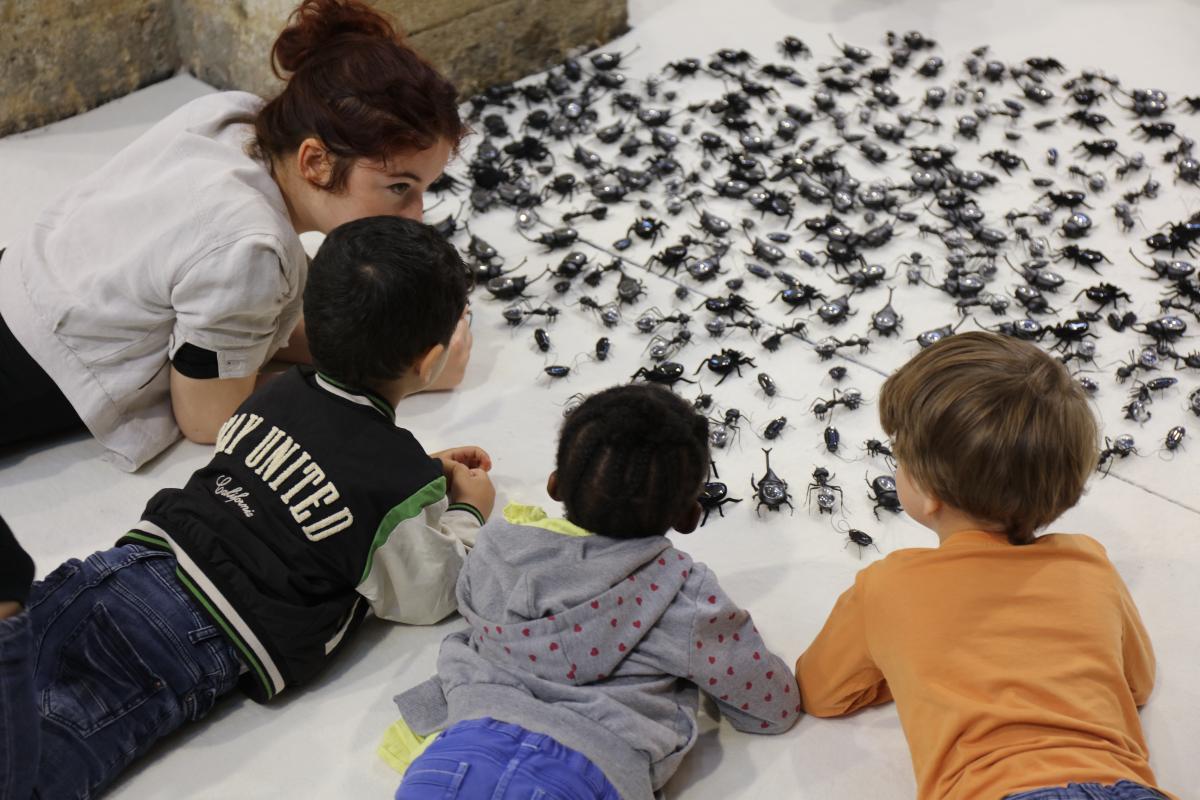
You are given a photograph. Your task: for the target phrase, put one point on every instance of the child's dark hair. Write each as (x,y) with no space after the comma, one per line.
(381,291)
(992,426)
(631,461)
(353,83)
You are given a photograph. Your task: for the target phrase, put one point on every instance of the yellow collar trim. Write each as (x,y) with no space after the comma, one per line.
(535,516)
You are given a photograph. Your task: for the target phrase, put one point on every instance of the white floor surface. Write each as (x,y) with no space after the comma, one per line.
(319,742)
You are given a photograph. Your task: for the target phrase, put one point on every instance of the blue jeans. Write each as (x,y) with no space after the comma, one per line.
(485,758)
(1121,790)
(110,655)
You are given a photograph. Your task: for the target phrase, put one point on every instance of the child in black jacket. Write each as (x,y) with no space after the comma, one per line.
(314,508)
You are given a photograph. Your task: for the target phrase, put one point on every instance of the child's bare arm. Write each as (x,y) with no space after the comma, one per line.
(836,673)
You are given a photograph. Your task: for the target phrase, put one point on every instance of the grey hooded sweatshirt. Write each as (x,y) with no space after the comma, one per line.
(603,644)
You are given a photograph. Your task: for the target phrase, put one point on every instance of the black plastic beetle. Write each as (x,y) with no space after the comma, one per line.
(827,493)
(832,438)
(714,495)
(667,373)
(772,490)
(836,311)
(1121,447)
(935,335)
(883,494)
(510,287)
(886,321)
(860,538)
(726,363)
(774,428)
(647,228)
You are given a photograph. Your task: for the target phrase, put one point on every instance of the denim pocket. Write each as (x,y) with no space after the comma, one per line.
(424,781)
(99,677)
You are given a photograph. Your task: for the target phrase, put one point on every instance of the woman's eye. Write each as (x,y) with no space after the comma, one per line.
(399,188)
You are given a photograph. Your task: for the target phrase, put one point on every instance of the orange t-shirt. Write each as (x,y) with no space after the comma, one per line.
(1013,668)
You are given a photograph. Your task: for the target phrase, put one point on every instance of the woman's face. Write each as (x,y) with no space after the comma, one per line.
(394,188)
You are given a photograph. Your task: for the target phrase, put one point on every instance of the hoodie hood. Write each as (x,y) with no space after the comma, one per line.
(573,608)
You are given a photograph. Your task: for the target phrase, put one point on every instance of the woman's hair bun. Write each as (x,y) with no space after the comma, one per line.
(317,23)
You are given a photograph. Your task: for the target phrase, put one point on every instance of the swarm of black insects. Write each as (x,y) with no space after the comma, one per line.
(741,226)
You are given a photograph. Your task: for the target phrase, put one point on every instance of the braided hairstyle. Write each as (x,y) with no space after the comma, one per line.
(631,461)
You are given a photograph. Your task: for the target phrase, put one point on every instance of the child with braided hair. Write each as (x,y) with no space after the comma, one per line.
(590,639)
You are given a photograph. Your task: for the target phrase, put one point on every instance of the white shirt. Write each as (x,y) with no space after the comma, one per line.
(181,237)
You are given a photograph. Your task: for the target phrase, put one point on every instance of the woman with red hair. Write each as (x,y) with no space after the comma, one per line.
(145,300)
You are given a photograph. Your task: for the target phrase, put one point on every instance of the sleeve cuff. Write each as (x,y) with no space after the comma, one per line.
(470,509)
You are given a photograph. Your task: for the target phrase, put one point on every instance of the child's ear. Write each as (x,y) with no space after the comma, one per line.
(690,520)
(932,505)
(552,487)
(429,366)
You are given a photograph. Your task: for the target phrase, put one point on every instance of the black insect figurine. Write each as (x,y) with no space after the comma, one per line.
(1005,160)
(509,287)
(772,490)
(721,431)
(860,538)
(874,447)
(774,428)
(1121,447)
(1104,293)
(883,494)
(827,494)
(886,321)
(609,313)
(836,311)
(1174,439)
(1076,226)
(556,371)
(629,288)
(935,335)
(647,228)
(832,439)
(557,239)
(726,362)
(799,295)
(714,495)
(661,348)
(667,373)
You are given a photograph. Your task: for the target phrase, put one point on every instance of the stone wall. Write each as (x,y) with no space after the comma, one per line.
(475,42)
(61,57)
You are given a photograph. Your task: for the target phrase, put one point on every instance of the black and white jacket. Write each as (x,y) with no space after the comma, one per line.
(314,508)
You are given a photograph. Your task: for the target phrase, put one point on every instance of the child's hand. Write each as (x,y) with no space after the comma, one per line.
(472,485)
(469,456)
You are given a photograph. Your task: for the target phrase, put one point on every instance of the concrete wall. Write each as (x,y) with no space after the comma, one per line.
(61,57)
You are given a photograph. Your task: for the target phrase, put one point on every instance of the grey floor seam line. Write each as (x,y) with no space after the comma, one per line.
(1148,490)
